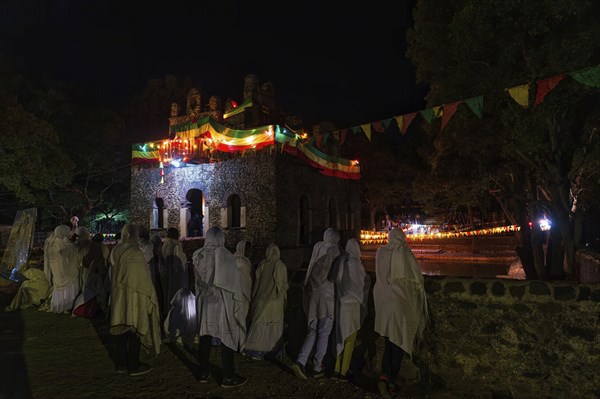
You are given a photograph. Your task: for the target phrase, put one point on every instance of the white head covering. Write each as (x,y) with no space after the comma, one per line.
(324,251)
(400,301)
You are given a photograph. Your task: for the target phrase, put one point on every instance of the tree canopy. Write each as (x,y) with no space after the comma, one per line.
(535,160)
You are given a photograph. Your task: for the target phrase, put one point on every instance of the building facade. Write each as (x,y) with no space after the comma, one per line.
(264,184)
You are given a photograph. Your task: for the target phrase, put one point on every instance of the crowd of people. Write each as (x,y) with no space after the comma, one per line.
(141,286)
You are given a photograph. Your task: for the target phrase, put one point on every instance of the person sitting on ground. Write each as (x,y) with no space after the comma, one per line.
(134,318)
(269,298)
(32,291)
(220,302)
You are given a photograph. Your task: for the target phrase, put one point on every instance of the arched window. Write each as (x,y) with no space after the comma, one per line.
(304,221)
(332,214)
(160,218)
(234,211)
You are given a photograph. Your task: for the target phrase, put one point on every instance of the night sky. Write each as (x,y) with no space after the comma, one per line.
(340,64)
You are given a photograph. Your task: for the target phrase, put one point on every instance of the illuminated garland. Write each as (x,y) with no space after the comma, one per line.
(368,237)
(199,138)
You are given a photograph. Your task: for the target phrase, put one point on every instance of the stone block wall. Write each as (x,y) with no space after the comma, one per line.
(491,338)
(514,339)
(295,179)
(587,266)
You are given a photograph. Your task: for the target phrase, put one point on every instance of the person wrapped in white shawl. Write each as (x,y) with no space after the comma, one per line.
(220,304)
(134,316)
(400,304)
(319,303)
(242,250)
(269,298)
(62,269)
(352,286)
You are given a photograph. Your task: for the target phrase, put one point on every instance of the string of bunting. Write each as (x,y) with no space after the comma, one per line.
(520,94)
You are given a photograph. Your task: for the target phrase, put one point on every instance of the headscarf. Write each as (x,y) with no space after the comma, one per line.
(399,294)
(351,277)
(324,253)
(272,262)
(245,266)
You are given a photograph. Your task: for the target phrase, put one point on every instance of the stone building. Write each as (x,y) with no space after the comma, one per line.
(264,183)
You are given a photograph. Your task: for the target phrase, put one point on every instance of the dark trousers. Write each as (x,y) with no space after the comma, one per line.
(392,360)
(226,357)
(128,351)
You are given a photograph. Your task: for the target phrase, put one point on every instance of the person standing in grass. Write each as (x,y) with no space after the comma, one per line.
(319,304)
(269,298)
(352,286)
(134,317)
(400,306)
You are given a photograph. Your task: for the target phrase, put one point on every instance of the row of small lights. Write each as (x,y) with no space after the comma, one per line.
(381,237)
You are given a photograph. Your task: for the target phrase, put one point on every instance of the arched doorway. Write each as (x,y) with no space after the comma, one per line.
(195,225)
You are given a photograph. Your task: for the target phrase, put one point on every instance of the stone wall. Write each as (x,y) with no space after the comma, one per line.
(269,185)
(305,180)
(514,339)
(491,338)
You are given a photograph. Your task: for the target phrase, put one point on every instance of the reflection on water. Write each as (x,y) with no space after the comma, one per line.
(437,267)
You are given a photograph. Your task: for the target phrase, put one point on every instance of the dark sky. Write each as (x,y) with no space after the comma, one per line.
(334,63)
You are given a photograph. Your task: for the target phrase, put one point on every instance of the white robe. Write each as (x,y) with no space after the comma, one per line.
(134,306)
(352,294)
(62,259)
(219,292)
(269,298)
(399,295)
(245,267)
(319,289)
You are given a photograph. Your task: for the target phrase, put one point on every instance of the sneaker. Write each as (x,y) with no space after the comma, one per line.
(142,369)
(121,370)
(340,377)
(298,369)
(318,374)
(233,382)
(204,378)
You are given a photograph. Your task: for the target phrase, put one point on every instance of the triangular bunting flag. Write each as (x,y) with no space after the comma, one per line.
(357,130)
(437,111)
(449,110)
(404,121)
(343,136)
(377,127)
(336,135)
(476,105)
(428,114)
(544,86)
(588,76)
(367,129)
(326,137)
(386,123)
(319,140)
(520,94)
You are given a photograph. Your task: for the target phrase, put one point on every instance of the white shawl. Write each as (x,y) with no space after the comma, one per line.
(399,295)
(318,283)
(352,294)
(219,291)
(134,306)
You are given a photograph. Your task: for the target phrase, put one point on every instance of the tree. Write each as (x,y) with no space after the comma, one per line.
(534,160)
(31,158)
(146,115)
(389,164)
